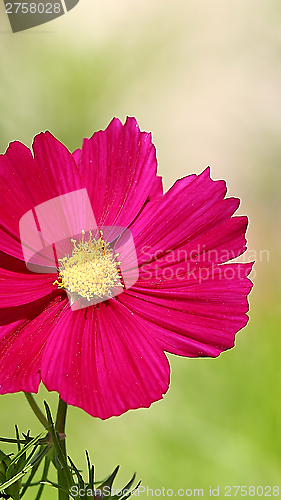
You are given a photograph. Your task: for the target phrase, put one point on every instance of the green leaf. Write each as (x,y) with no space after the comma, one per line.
(91,471)
(50,483)
(44,477)
(131,492)
(18,437)
(29,480)
(79,477)
(20,464)
(109,481)
(15,478)
(27,447)
(127,487)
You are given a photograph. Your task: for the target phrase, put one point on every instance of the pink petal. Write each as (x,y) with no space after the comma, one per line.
(17,289)
(103,360)
(26,182)
(200,318)
(118,166)
(15,198)
(54,159)
(191,208)
(170,269)
(12,264)
(22,343)
(156,190)
(76,155)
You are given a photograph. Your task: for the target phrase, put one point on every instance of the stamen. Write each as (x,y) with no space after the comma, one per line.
(92,269)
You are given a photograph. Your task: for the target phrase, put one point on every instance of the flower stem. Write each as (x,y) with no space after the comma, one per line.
(60,428)
(61,417)
(36,410)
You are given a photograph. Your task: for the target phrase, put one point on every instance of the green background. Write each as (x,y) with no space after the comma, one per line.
(204,76)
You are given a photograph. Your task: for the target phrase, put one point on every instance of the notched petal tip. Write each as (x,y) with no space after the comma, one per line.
(77,155)
(15,147)
(48,138)
(132,120)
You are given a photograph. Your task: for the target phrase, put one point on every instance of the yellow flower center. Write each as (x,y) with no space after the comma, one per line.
(92,269)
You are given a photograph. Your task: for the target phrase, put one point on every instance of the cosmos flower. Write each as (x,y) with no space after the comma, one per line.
(81,328)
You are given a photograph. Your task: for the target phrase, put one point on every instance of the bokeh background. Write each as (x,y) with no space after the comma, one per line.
(205,77)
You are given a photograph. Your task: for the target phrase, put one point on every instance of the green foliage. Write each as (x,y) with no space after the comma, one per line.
(13,469)
(51,447)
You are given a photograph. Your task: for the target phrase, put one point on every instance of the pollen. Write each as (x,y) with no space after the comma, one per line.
(92,270)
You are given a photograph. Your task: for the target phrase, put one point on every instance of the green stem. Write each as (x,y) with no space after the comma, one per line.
(36,410)
(60,428)
(61,417)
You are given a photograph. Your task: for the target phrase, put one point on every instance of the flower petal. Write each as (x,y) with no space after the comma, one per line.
(57,165)
(26,182)
(157,189)
(17,289)
(22,342)
(191,208)
(224,242)
(119,167)
(200,319)
(12,264)
(76,155)
(102,360)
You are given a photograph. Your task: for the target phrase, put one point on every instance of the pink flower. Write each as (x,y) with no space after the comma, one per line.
(108,357)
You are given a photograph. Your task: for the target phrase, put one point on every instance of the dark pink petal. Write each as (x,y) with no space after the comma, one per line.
(156,190)
(17,289)
(103,360)
(12,264)
(15,198)
(118,166)
(200,318)
(22,342)
(57,163)
(26,182)
(180,265)
(191,208)
(77,155)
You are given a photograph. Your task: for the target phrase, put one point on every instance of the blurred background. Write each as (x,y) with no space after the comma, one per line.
(205,77)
